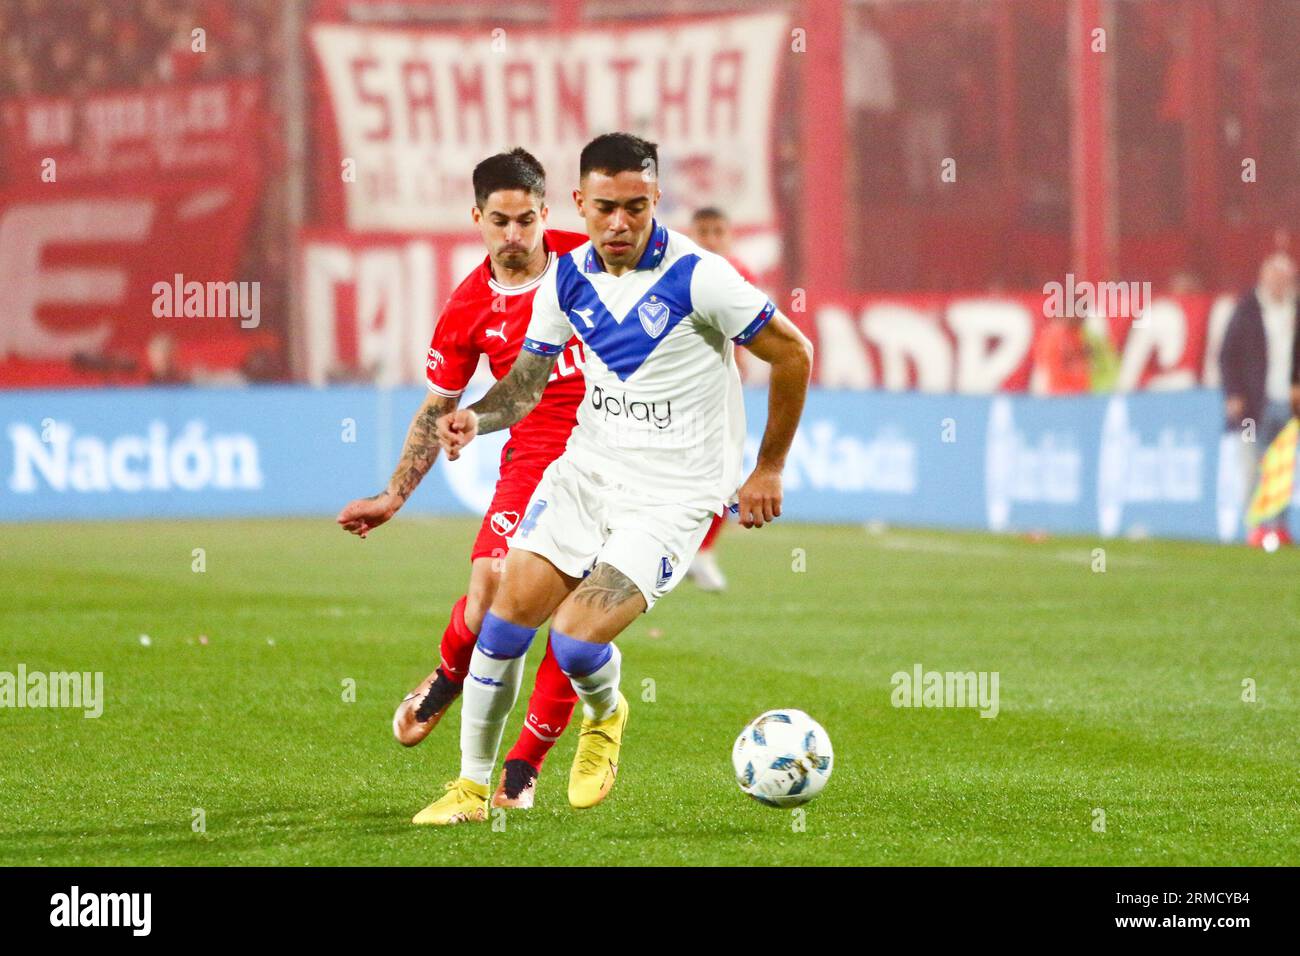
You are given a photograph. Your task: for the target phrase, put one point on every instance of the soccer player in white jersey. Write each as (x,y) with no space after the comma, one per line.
(656,453)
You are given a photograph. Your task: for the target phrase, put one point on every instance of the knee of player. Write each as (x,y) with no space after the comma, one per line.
(575,656)
(573,620)
(518,606)
(478,599)
(569,623)
(502,639)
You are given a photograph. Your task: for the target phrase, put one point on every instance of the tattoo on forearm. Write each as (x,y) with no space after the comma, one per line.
(604,588)
(421,448)
(514,396)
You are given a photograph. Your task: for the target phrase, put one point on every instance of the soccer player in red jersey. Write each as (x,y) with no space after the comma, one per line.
(487,315)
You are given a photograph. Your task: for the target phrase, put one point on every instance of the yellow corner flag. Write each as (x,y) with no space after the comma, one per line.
(1276,477)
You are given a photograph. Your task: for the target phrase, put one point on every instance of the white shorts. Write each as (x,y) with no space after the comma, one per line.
(577,519)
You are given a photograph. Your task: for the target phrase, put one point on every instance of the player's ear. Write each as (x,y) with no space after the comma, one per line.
(577,199)
(476,214)
(545,211)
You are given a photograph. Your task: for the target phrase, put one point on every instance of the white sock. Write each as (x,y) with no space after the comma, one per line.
(598,690)
(484,709)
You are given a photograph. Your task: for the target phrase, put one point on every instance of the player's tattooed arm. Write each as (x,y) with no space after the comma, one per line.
(505,403)
(421,447)
(418,454)
(606,587)
(513,397)
(784,347)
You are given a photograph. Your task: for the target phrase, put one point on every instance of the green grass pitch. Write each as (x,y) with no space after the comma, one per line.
(1119,691)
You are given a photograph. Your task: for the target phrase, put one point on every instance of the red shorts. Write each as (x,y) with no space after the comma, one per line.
(515,486)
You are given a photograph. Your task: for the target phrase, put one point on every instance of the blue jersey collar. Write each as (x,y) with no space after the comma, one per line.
(654,253)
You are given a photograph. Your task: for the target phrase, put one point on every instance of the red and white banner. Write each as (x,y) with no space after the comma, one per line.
(185,130)
(104,196)
(374,298)
(977,344)
(414,110)
(371,302)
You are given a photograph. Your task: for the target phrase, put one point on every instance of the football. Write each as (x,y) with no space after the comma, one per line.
(783,758)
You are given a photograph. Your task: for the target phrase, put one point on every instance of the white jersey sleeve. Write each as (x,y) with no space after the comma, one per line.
(723,298)
(548,329)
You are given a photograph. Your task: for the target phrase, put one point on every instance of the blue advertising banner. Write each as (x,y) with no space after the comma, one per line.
(1145,463)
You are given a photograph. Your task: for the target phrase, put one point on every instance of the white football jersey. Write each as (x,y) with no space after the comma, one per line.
(663,412)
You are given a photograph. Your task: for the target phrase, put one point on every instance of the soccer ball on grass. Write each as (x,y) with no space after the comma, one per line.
(783,758)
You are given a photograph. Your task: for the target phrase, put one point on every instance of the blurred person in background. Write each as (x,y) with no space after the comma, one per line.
(711,228)
(1103,357)
(871,103)
(1061,362)
(160,361)
(1074,355)
(18,76)
(61,66)
(1257,366)
(1185,282)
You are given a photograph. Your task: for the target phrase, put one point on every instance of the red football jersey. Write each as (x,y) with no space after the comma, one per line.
(485,318)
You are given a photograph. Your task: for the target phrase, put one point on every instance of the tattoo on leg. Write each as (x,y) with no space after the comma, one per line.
(604,588)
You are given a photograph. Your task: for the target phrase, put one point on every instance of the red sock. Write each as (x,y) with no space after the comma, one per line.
(549,711)
(457,644)
(712,534)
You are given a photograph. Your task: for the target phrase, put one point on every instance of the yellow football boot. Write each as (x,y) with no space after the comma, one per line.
(465,801)
(595,765)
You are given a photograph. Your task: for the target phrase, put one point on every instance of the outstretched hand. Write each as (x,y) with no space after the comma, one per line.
(362,516)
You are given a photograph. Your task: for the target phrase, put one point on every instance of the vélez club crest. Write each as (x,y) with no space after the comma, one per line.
(654,316)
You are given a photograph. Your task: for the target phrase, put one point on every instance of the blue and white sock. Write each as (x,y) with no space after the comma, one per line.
(594,671)
(496,670)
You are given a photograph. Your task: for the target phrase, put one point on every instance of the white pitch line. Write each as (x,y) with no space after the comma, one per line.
(983,549)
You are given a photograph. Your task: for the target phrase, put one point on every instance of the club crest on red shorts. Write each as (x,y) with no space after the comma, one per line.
(503,522)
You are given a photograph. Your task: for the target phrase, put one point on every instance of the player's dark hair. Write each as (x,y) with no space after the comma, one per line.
(709,212)
(614,153)
(517,169)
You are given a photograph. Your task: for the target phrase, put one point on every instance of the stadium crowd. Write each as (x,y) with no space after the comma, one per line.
(73,46)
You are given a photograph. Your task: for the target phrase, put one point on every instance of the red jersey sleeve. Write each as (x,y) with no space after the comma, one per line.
(453,356)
